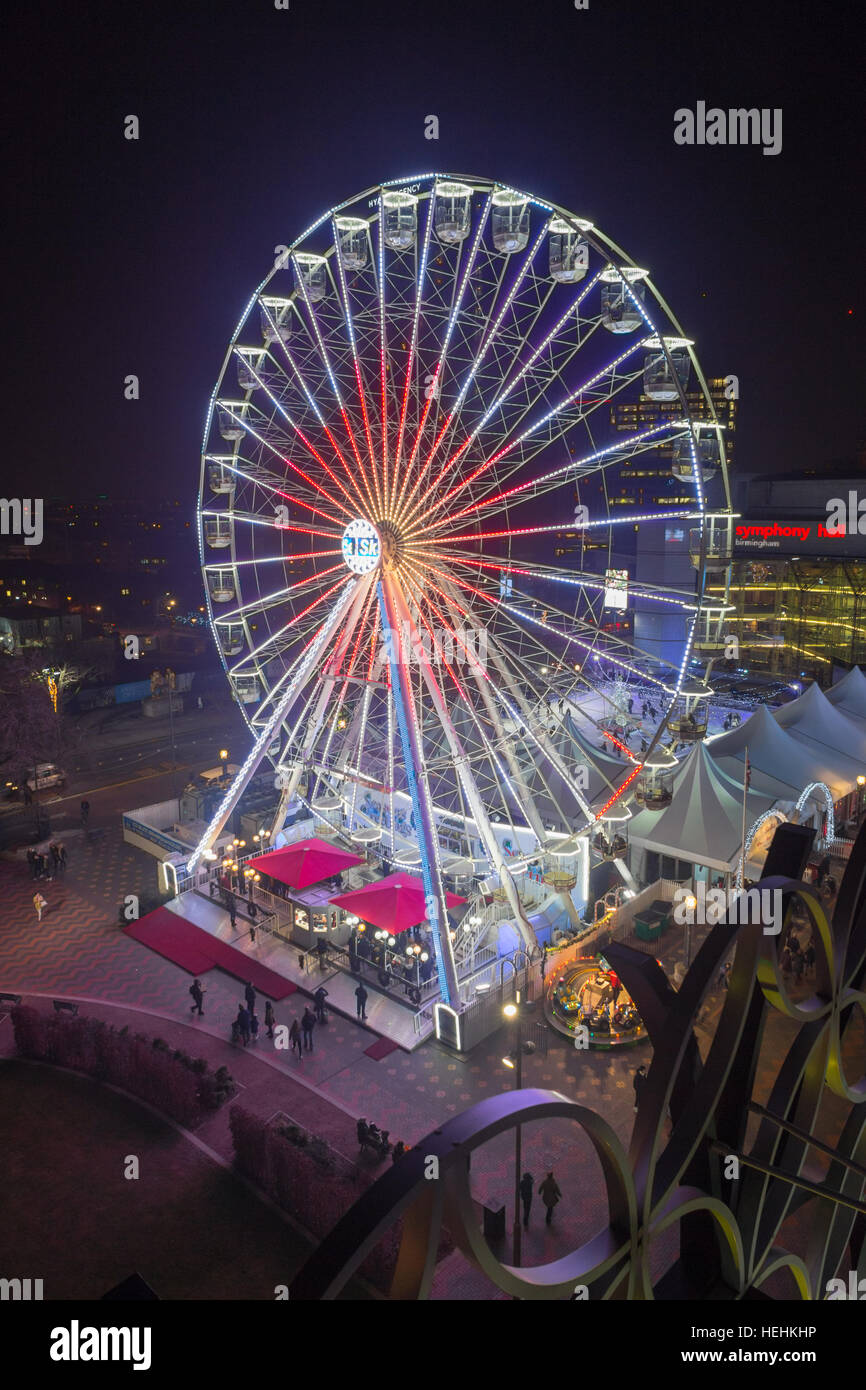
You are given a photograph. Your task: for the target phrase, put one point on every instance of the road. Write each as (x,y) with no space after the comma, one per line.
(127,762)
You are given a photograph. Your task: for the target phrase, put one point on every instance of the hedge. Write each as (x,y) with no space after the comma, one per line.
(183,1087)
(302,1177)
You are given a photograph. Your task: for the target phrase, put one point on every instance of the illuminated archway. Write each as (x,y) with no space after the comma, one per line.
(828,801)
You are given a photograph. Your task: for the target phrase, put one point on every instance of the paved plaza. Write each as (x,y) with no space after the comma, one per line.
(79,951)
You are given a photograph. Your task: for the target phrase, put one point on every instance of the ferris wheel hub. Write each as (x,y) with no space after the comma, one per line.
(361,546)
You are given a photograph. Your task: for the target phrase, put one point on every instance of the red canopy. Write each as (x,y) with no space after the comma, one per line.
(396,903)
(305,863)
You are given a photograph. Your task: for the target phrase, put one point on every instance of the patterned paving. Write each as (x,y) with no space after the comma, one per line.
(80,949)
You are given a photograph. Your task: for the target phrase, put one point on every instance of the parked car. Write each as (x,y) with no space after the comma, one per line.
(46,775)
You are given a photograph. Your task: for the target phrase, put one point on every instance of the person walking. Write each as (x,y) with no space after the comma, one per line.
(62,851)
(250,996)
(55,858)
(243,1022)
(197,994)
(269,1018)
(361,1002)
(527,1187)
(254,1025)
(40,904)
(295,1039)
(233,910)
(797,965)
(638,1081)
(809,958)
(85,812)
(31,862)
(319,998)
(308,1023)
(550,1195)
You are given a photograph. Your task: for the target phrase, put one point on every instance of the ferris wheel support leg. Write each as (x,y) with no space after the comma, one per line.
(476,805)
(262,743)
(434,888)
(328,683)
(479,677)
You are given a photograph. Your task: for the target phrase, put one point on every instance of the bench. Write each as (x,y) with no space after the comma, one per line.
(63,1006)
(10,998)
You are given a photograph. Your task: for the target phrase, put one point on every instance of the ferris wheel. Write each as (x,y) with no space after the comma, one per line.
(414,522)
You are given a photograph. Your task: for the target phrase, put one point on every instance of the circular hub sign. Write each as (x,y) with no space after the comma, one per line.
(361,547)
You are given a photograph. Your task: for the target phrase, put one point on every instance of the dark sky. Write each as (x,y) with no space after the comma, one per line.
(139,256)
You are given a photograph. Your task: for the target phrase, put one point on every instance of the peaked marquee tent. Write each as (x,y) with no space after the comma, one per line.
(703,823)
(849,695)
(824,730)
(781,766)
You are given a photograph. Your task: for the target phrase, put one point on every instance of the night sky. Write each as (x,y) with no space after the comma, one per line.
(139,256)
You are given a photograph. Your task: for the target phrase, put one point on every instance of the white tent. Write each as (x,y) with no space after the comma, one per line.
(703,823)
(825,731)
(781,765)
(849,695)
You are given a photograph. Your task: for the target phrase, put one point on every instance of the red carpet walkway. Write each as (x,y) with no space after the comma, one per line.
(198,952)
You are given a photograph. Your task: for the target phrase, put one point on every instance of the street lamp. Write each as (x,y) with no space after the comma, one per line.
(224,758)
(691,904)
(514,1062)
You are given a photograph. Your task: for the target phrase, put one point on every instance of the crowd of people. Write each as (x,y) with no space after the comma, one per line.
(48,864)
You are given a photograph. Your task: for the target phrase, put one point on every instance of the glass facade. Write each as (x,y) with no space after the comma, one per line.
(796,617)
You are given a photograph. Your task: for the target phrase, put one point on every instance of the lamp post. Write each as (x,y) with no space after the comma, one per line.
(224,759)
(512,1012)
(861,783)
(691,904)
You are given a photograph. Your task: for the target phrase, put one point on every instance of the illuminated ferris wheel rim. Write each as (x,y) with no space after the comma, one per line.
(413,186)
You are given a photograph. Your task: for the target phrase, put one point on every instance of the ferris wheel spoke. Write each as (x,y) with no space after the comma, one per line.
(300,378)
(577,579)
(338,397)
(598,460)
(413,345)
(516,783)
(362,399)
(539,739)
(561,418)
(293,425)
(488,336)
(467,782)
(459,285)
(534,357)
(268,444)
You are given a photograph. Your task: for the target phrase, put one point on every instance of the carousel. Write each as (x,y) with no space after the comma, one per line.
(586,992)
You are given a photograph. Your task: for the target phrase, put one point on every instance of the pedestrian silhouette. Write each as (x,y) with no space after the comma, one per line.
(550,1195)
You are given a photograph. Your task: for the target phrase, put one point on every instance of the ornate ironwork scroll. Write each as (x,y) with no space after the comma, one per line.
(728,1225)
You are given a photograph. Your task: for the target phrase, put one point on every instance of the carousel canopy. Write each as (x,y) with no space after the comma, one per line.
(396,903)
(781,767)
(305,863)
(703,823)
(849,694)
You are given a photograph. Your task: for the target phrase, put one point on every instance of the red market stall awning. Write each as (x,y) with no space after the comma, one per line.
(396,903)
(305,863)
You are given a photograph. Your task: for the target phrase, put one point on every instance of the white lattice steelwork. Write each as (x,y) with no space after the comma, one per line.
(428,379)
